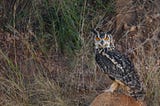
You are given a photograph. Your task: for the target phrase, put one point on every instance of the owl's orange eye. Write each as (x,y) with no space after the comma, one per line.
(106,38)
(97,39)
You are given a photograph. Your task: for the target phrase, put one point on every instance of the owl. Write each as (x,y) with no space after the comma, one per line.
(117,66)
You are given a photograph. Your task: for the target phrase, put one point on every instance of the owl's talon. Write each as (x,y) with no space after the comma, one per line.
(108,90)
(113,87)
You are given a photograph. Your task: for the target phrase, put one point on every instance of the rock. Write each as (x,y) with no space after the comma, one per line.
(114,99)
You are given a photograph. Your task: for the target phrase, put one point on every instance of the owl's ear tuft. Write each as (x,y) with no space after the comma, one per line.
(95,32)
(108,32)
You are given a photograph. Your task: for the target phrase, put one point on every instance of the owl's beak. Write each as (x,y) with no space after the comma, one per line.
(102,42)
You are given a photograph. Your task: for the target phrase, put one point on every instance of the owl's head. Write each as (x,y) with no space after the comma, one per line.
(103,40)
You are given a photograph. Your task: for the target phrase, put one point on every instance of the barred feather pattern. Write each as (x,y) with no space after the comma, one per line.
(119,67)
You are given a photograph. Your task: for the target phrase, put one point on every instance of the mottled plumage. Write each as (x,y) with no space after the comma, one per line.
(118,66)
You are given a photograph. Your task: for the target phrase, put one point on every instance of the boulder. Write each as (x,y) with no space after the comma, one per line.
(115,99)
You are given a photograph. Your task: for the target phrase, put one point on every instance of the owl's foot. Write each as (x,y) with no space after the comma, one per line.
(112,88)
(109,90)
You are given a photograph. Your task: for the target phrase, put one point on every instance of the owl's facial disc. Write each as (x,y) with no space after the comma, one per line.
(102,41)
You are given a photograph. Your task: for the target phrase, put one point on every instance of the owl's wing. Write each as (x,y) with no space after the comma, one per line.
(119,67)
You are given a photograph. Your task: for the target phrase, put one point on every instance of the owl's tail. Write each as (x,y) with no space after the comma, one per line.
(138,94)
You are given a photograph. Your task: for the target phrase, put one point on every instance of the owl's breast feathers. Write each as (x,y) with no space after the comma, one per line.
(119,67)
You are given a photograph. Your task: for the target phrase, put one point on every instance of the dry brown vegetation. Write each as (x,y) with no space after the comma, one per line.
(39,66)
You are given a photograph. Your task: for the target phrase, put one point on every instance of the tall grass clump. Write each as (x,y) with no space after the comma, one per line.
(19,89)
(59,23)
(54,22)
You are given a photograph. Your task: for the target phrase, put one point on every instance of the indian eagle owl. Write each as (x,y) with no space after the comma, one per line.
(117,66)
